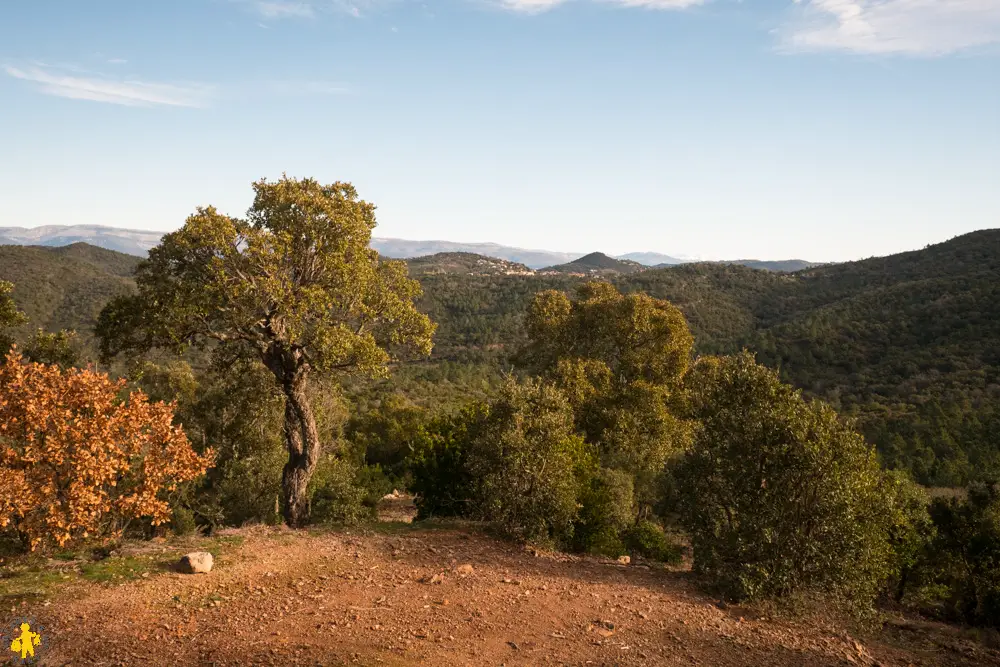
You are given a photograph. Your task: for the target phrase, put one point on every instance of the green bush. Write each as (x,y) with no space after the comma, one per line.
(375,482)
(911,530)
(182,521)
(620,360)
(778,495)
(526,464)
(247,489)
(607,507)
(336,496)
(384,435)
(647,539)
(963,560)
(438,464)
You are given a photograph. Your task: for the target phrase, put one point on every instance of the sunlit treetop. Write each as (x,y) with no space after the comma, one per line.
(295,281)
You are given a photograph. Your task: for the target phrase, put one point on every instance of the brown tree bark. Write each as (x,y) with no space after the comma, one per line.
(301,438)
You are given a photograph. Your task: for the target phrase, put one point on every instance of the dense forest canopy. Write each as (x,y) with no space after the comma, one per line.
(908,344)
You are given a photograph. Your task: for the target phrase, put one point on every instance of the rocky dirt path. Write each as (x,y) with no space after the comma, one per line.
(439,597)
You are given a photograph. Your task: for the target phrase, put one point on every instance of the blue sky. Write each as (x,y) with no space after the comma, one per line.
(821,129)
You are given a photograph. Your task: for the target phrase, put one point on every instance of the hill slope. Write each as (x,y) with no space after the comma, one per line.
(64,288)
(596,264)
(464,263)
(909,344)
(786,265)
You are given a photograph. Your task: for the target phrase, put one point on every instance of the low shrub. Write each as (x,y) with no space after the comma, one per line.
(607,508)
(648,540)
(778,494)
(963,560)
(438,464)
(526,463)
(336,496)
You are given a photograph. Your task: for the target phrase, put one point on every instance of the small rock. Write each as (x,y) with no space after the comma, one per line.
(624,560)
(603,628)
(197,562)
(465,570)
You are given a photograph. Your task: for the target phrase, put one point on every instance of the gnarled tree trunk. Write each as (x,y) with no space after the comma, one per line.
(301,438)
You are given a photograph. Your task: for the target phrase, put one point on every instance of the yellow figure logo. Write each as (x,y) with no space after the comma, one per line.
(26,643)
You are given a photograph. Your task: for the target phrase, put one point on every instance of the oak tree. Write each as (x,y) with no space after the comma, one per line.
(294,285)
(620,359)
(779,495)
(75,458)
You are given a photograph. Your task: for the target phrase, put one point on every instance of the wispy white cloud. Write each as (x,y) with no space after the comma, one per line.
(311,9)
(909,27)
(537,6)
(117,61)
(279,9)
(126,92)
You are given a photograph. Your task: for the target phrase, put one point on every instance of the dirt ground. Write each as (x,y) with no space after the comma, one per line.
(443,596)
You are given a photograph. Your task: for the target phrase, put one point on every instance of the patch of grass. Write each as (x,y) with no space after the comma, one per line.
(224,543)
(119,568)
(28,577)
(30,584)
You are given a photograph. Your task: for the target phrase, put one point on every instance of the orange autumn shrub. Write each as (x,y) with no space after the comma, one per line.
(78,460)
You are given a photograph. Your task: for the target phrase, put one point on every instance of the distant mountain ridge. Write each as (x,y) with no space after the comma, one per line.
(138,242)
(653,258)
(406,249)
(129,241)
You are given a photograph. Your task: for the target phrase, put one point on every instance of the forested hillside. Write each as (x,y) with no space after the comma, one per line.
(64,287)
(909,344)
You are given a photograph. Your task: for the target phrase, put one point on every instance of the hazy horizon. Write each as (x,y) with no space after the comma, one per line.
(563,251)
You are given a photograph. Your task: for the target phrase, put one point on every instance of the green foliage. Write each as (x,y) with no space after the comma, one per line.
(235,408)
(964,557)
(10,316)
(60,348)
(607,508)
(384,435)
(294,286)
(635,336)
(619,359)
(439,465)
(295,276)
(245,490)
(778,495)
(526,462)
(911,529)
(648,539)
(338,493)
(182,521)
